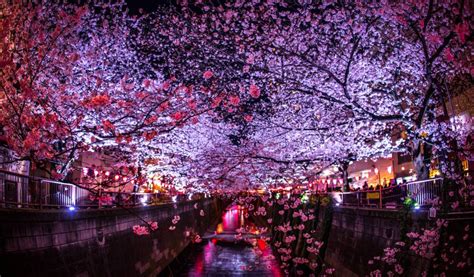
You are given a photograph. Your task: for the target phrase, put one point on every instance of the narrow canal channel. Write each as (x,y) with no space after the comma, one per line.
(235,248)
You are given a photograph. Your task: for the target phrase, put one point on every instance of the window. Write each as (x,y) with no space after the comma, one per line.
(403,158)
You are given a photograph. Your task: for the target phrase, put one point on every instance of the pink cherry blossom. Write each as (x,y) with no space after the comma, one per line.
(208,74)
(254,91)
(140,230)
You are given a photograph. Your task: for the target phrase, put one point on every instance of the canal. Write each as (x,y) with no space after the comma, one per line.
(236,247)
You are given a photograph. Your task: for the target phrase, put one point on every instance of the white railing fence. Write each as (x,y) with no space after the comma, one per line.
(391,197)
(21,191)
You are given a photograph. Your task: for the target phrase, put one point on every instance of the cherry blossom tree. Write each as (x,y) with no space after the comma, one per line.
(71,83)
(240,92)
(327,79)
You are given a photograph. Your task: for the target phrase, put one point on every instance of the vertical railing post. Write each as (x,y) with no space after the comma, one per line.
(74,195)
(41,195)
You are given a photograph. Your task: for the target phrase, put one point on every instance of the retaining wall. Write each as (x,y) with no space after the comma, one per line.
(98,242)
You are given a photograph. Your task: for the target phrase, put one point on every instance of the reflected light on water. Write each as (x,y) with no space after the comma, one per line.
(223,254)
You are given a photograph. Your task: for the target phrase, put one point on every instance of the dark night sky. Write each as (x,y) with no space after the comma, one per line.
(146,5)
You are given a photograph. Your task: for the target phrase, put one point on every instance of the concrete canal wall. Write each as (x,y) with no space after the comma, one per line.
(98,242)
(358,235)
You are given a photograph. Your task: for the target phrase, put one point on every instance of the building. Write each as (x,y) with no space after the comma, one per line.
(98,168)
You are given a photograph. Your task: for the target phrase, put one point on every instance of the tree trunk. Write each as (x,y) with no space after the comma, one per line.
(421,155)
(345,175)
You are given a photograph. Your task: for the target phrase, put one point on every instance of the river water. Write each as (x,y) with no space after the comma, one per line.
(224,253)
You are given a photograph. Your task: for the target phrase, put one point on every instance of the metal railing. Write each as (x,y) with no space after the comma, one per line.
(392,197)
(22,191)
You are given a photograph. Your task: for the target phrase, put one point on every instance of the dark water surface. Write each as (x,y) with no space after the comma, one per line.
(222,254)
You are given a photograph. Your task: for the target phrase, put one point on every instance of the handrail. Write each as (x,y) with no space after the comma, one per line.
(22,191)
(23,175)
(421,181)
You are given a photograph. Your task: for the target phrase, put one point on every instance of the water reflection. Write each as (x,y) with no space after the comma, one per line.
(224,254)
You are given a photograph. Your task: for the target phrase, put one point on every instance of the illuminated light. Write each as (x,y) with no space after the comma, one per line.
(85,170)
(116,177)
(376,170)
(304,198)
(144,199)
(261,244)
(174,199)
(403,168)
(337,204)
(96,172)
(434,173)
(107,173)
(219,228)
(337,196)
(389,169)
(72,208)
(417,206)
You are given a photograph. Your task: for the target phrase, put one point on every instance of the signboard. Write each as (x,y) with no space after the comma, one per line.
(372,195)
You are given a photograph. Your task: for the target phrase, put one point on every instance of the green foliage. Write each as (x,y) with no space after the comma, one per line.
(409,203)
